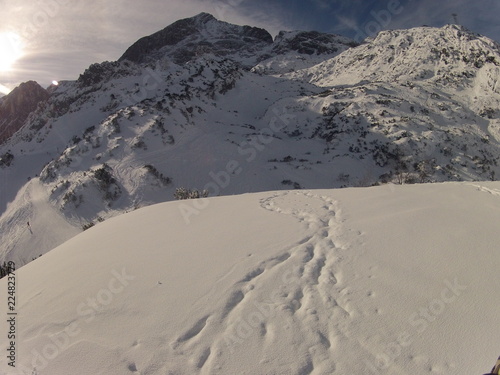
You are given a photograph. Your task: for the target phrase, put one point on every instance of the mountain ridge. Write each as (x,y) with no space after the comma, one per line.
(228,37)
(451,48)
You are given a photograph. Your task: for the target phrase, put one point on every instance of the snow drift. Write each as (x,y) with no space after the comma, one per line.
(383,280)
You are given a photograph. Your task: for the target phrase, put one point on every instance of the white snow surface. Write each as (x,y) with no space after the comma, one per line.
(383,280)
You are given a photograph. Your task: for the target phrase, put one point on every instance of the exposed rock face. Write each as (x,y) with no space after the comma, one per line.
(296,50)
(311,43)
(16,107)
(189,38)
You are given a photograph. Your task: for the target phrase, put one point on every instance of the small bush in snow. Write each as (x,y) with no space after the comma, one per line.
(183,193)
(71,197)
(164,180)
(139,143)
(295,185)
(104,176)
(6,159)
(4,270)
(88,225)
(343,177)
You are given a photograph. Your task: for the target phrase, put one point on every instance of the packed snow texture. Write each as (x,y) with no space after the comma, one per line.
(382,280)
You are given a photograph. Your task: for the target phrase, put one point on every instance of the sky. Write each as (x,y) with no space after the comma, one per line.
(47,40)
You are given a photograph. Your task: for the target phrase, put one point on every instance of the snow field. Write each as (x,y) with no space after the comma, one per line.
(385,280)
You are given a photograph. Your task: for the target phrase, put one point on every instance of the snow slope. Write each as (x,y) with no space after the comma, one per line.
(382,280)
(34,208)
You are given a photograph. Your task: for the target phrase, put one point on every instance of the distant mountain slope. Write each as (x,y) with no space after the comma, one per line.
(450,59)
(389,279)
(448,56)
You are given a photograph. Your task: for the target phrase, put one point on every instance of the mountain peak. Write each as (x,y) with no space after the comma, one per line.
(187,38)
(17,105)
(27,86)
(203,17)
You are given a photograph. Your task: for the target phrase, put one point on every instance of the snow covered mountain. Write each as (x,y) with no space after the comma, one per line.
(187,39)
(381,280)
(204,104)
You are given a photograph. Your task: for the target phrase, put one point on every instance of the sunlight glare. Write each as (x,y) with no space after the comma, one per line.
(10,50)
(4,89)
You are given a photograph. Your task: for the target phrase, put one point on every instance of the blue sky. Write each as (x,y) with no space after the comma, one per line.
(58,39)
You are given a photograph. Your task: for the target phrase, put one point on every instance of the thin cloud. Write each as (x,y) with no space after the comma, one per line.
(4,90)
(345,25)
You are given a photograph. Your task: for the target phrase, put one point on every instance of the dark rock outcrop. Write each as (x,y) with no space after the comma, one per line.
(310,43)
(16,107)
(189,38)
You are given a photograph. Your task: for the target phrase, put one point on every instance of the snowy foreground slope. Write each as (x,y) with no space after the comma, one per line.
(382,280)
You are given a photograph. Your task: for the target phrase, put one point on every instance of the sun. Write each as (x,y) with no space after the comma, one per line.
(10,50)
(4,90)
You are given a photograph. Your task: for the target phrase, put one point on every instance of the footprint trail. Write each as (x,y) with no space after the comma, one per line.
(292,299)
